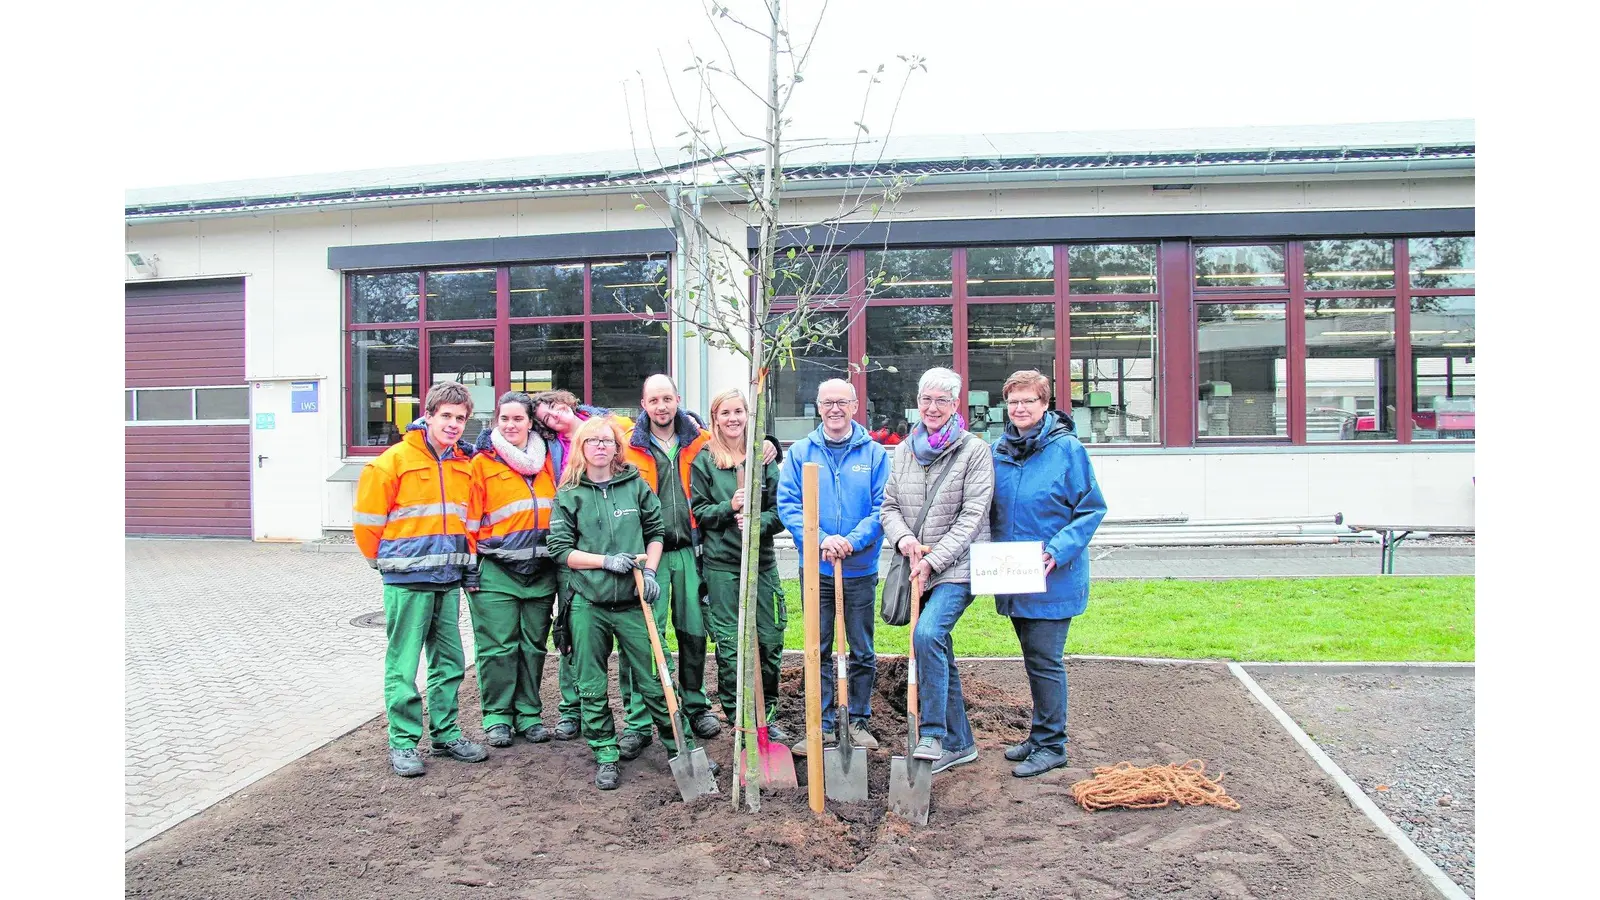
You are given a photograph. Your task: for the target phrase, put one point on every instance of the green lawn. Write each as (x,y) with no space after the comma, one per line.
(1320,619)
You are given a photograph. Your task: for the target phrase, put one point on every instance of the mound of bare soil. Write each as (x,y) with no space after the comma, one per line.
(529,823)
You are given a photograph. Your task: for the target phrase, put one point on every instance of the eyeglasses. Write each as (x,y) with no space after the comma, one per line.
(1025,401)
(834,404)
(936,402)
(599,442)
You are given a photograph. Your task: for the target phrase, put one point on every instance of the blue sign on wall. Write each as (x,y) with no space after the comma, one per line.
(303,396)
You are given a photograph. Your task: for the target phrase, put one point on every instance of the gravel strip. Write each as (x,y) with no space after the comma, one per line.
(1407,740)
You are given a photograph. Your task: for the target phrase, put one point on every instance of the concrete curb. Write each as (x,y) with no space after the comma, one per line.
(1360,668)
(1441,882)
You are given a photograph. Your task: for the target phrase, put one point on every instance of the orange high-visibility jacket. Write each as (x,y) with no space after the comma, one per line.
(691,439)
(411,512)
(511,511)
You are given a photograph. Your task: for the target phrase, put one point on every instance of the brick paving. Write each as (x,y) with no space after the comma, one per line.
(240,657)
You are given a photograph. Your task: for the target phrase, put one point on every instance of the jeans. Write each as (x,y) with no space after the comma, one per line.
(944,711)
(860,602)
(1043,641)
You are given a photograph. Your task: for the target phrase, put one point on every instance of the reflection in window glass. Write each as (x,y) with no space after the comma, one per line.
(1350,385)
(1243,360)
(629,286)
(1111,269)
(909,273)
(383,378)
(811,275)
(384,298)
(902,343)
(1002,339)
(1443,364)
(792,385)
(166,405)
(547,290)
(1113,370)
(546,357)
(465,294)
(127,406)
(1446,262)
(1360,265)
(625,354)
(1255,265)
(1011,272)
(466,357)
(222,403)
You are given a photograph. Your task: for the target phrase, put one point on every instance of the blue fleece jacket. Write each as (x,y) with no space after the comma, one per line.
(850,496)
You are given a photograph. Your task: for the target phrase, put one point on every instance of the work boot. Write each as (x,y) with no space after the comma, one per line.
(566,729)
(461,749)
(499,736)
(953,758)
(632,743)
(706,725)
(777,735)
(608,777)
(1039,762)
(1019,752)
(929,748)
(536,733)
(407,762)
(860,736)
(799,747)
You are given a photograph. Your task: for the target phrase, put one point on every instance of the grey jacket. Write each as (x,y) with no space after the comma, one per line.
(959,514)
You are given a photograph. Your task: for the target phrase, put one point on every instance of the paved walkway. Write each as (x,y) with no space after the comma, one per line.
(240,657)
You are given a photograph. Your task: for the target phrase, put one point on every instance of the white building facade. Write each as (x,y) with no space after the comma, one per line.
(1244,322)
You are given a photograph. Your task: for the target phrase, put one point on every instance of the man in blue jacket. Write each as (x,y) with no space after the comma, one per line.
(855,470)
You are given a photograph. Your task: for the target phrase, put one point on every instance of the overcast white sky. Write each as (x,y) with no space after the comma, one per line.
(229,91)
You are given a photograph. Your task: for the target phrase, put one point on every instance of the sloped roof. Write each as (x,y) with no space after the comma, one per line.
(818,160)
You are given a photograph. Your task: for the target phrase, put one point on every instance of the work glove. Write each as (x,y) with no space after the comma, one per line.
(652,591)
(561,631)
(470,581)
(620,563)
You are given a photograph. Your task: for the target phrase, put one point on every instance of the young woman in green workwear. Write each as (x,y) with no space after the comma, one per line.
(605,515)
(717,496)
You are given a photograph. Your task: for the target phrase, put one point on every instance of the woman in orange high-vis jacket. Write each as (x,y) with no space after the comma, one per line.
(411,524)
(512,594)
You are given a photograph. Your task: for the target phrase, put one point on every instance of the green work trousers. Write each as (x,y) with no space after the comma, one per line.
(594,631)
(511,629)
(417,622)
(772,617)
(680,593)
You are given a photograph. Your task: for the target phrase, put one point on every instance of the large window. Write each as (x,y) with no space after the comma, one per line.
(902,343)
(1113,372)
(1349,370)
(1443,353)
(595,328)
(792,381)
(1243,353)
(1003,338)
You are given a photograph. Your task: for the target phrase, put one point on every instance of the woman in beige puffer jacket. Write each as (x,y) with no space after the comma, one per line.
(957,516)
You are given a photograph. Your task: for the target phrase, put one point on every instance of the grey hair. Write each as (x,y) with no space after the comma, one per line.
(940,379)
(833,381)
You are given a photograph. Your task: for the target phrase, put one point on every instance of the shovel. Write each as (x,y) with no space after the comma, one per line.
(911,779)
(690,768)
(844,767)
(777,761)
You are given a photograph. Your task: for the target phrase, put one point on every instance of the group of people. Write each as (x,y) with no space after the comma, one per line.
(547,518)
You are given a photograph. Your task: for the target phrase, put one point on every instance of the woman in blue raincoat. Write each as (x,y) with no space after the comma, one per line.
(1044,490)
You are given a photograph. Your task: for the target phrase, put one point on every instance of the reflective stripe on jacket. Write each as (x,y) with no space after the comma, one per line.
(511,512)
(411,512)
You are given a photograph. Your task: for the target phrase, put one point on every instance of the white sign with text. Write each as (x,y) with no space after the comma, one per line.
(1010,567)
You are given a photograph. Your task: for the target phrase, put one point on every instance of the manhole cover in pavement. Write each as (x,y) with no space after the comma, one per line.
(368,620)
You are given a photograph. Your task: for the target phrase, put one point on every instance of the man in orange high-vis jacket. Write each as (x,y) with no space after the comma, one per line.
(512,594)
(411,524)
(663,444)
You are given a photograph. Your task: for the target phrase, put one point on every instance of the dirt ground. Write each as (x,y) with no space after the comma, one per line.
(529,822)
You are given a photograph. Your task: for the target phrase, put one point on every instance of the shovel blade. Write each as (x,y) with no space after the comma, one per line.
(777,767)
(910,787)
(693,774)
(844,774)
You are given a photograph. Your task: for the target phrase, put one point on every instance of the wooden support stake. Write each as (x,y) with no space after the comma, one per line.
(811,597)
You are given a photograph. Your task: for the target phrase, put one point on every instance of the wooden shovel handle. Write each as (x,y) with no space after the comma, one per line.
(655,647)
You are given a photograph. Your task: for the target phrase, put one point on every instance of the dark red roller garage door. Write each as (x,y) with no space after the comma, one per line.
(187,408)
